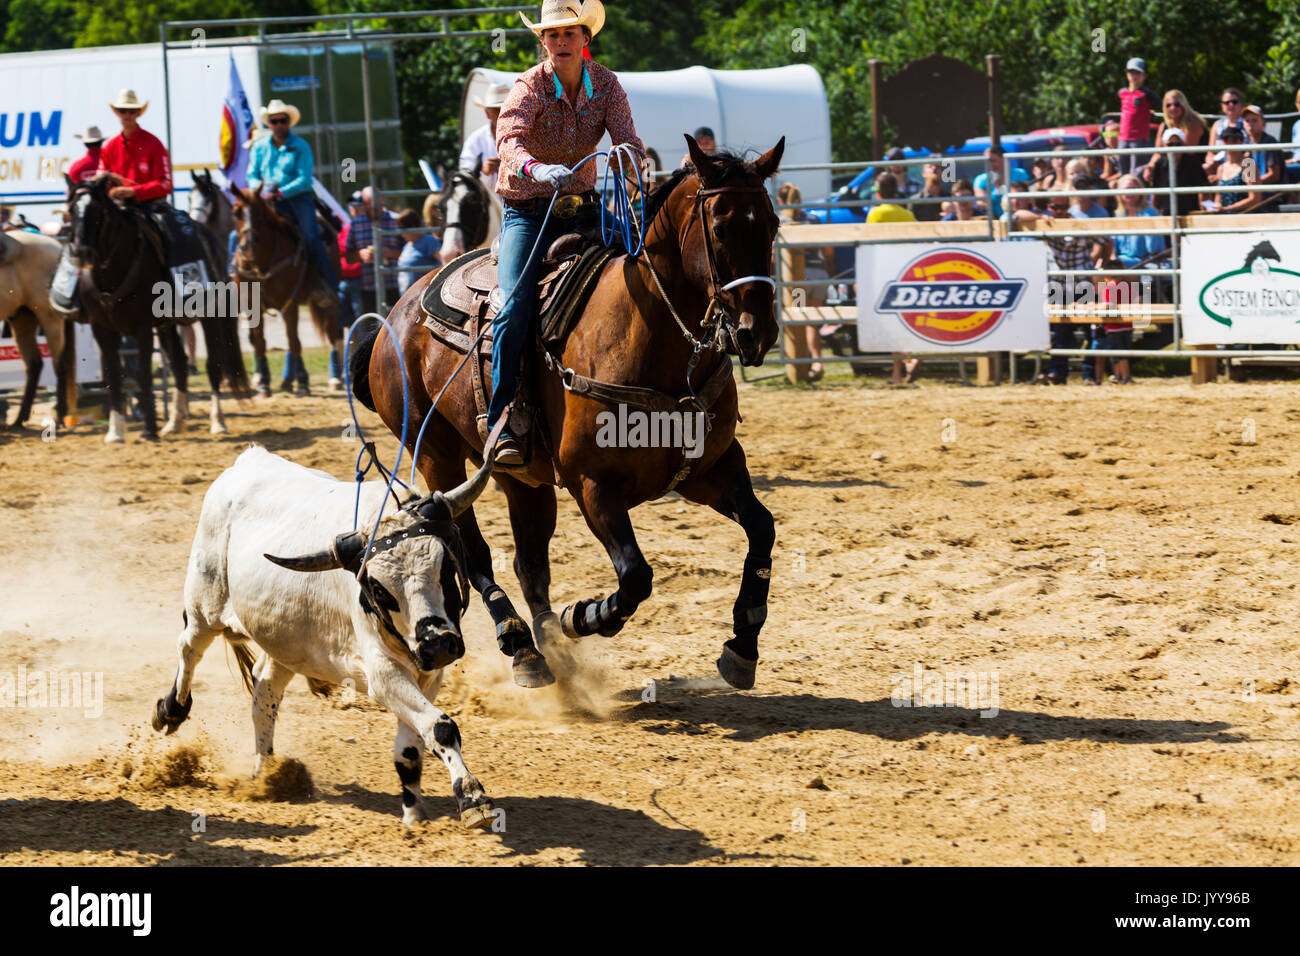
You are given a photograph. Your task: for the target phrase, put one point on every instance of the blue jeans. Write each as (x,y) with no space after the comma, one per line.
(1131,164)
(513,324)
(303,208)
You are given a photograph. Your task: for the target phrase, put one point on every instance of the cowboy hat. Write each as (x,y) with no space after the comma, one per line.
(127,100)
(278,106)
(494,98)
(91,135)
(568,13)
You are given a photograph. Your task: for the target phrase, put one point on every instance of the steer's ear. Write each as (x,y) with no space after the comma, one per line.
(349,548)
(434,508)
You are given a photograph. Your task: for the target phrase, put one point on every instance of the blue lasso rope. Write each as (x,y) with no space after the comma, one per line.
(621,202)
(352,409)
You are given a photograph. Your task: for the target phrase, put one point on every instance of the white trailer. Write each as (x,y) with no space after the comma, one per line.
(746,109)
(52,95)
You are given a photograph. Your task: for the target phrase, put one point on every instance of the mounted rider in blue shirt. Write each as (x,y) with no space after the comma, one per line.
(282,166)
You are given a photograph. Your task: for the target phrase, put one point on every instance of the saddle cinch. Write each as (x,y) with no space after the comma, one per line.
(464,296)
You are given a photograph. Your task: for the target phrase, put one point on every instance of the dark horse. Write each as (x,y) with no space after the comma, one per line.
(273,258)
(123,270)
(466,210)
(708,252)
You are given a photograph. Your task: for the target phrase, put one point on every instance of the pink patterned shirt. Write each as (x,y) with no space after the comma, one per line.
(538,122)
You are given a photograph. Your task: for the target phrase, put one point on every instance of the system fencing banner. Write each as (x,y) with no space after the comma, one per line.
(924,297)
(1241,289)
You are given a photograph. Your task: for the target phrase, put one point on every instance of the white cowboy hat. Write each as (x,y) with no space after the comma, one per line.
(494,98)
(91,135)
(568,13)
(278,106)
(127,100)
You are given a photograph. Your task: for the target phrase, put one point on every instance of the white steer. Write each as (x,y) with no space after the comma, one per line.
(389,623)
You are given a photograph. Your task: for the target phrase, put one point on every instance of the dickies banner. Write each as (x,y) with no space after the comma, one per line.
(1241,289)
(923,297)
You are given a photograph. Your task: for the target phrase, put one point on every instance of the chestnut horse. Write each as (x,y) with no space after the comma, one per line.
(708,252)
(272,255)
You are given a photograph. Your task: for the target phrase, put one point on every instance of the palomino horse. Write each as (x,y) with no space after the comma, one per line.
(27,264)
(658,325)
(271,253)
(121,264)
(210,206)
(470,217)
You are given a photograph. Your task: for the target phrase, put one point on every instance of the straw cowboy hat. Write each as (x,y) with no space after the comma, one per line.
(568,13)
(494,98)
(127,100)
(91,135)
(278,106)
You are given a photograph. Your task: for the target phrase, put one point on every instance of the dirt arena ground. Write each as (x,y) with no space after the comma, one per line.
(1116,569)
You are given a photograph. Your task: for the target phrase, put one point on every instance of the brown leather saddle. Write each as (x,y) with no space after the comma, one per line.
(464,297)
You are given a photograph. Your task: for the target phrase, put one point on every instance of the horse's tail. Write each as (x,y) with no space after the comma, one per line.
(245,661)
(363,346)
(221,333)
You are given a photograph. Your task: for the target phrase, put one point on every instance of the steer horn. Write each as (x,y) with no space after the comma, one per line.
(344,552)
(459,499)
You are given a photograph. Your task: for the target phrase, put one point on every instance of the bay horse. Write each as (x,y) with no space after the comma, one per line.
(27,265)
(659,325)
(272,255)
(121,263)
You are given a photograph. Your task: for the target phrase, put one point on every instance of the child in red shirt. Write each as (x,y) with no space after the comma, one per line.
(1136,104)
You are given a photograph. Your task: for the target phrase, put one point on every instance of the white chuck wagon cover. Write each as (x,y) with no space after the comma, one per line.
(746,109)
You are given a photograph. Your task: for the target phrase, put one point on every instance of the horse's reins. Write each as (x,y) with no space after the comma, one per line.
(257,273)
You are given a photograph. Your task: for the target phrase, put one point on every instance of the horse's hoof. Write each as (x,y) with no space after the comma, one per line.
(302,391)
(568,621)
(264,391)
(170,714)
(219,429)
(736,670)
(335,385)
(286,385)
(113,438)
(530,669)
(481,814)
(171,428)
(149,437)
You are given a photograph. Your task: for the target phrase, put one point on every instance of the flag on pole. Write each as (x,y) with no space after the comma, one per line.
(236,131)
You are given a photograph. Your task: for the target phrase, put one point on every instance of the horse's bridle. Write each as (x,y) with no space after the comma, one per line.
(107,300)
(246,266)
(724,309)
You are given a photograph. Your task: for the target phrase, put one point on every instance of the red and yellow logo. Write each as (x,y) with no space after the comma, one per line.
(951,296)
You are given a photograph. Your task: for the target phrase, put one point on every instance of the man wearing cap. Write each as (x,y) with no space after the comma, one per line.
(555,116)
(708,142)
(281,166)
(135,156)
(479,154)
(84,168)
(1268,162)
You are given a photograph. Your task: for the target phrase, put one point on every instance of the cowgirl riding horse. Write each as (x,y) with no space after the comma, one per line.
(554,115)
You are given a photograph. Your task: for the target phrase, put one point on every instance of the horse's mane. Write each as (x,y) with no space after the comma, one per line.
(729,163)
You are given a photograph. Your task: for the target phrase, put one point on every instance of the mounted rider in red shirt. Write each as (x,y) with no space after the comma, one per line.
(140,160)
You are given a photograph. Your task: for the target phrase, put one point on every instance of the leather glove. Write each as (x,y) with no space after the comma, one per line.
(556,176)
